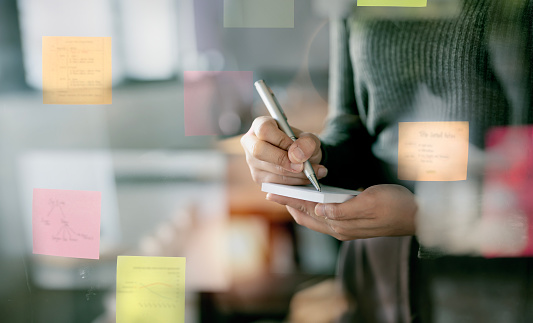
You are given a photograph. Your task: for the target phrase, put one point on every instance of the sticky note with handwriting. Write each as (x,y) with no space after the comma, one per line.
(76,70)
(392,3)
(433,151)
(329,194)
(150,289)
(66,223)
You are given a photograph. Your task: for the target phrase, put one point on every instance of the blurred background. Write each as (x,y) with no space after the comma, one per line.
(173,178)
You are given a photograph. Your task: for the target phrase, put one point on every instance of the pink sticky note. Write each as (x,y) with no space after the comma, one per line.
(213,101)
(66,223)
(508,187)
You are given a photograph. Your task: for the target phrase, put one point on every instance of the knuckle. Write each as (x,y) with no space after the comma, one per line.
(302,209)
(333,212)
(338,232)
(255,176)
(244,139)
(282,142)
(280,170)
(263,130)
(282,159)
(257,149)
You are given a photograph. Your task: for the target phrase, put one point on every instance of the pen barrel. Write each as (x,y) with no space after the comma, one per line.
(273,107)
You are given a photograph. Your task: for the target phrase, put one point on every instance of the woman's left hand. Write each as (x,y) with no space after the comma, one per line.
(379,211)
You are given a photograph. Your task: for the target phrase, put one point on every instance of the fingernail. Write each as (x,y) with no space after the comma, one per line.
(322,172)
(320,210)
(296,167)
(298,154)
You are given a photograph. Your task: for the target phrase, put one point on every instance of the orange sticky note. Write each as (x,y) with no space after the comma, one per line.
(150,289)
(66,223)
(433,151)
(76,70)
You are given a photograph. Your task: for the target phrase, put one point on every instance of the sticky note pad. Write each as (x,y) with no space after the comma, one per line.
(507,192)
(150,289)
(76,70)
(210,100)
(392,3)
(259,13)
(328,194)
(433,151)
(66,223)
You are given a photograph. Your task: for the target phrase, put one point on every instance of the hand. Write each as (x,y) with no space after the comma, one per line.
(379,211)
(273,157)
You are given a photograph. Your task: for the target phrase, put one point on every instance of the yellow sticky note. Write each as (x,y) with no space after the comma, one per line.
(76,70)
(433,151)
(392,3)
(150,289)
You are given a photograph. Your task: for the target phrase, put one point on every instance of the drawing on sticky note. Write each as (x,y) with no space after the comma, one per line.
(150,289)
(65,231)
(76,70)
(66,223)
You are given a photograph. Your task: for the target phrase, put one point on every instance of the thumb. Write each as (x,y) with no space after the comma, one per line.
(307,147)
(332,211)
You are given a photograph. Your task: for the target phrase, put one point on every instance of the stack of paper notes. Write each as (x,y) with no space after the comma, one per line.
(329,194)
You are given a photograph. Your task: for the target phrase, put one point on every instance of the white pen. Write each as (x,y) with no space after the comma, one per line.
(277,113)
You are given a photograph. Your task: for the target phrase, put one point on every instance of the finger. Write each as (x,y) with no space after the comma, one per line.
(272,165)
(302,205)
(355,229)
(263,166)
(318,225)
(267,177)
(266,129)
(306,147)
(353,209)
(262,176)
(265,151)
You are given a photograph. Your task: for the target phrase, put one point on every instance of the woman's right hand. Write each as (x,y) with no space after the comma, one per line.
(274,158)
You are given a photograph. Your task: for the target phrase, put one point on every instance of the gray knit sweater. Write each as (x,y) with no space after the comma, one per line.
(471,67)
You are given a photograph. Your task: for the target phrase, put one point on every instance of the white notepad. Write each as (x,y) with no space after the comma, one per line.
(329,194)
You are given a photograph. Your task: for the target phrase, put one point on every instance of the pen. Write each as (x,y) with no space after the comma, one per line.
(277,113)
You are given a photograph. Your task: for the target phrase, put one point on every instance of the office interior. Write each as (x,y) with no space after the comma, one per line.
(170,187)
(163,193)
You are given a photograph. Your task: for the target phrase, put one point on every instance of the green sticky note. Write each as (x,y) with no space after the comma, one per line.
(392,3)
(259,13)
(150,289)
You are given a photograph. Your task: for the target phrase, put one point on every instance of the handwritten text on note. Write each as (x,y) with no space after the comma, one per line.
(433,151)
(76,70)
(66,223)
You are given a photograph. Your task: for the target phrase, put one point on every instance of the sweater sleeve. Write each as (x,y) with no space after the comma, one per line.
(346,144)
